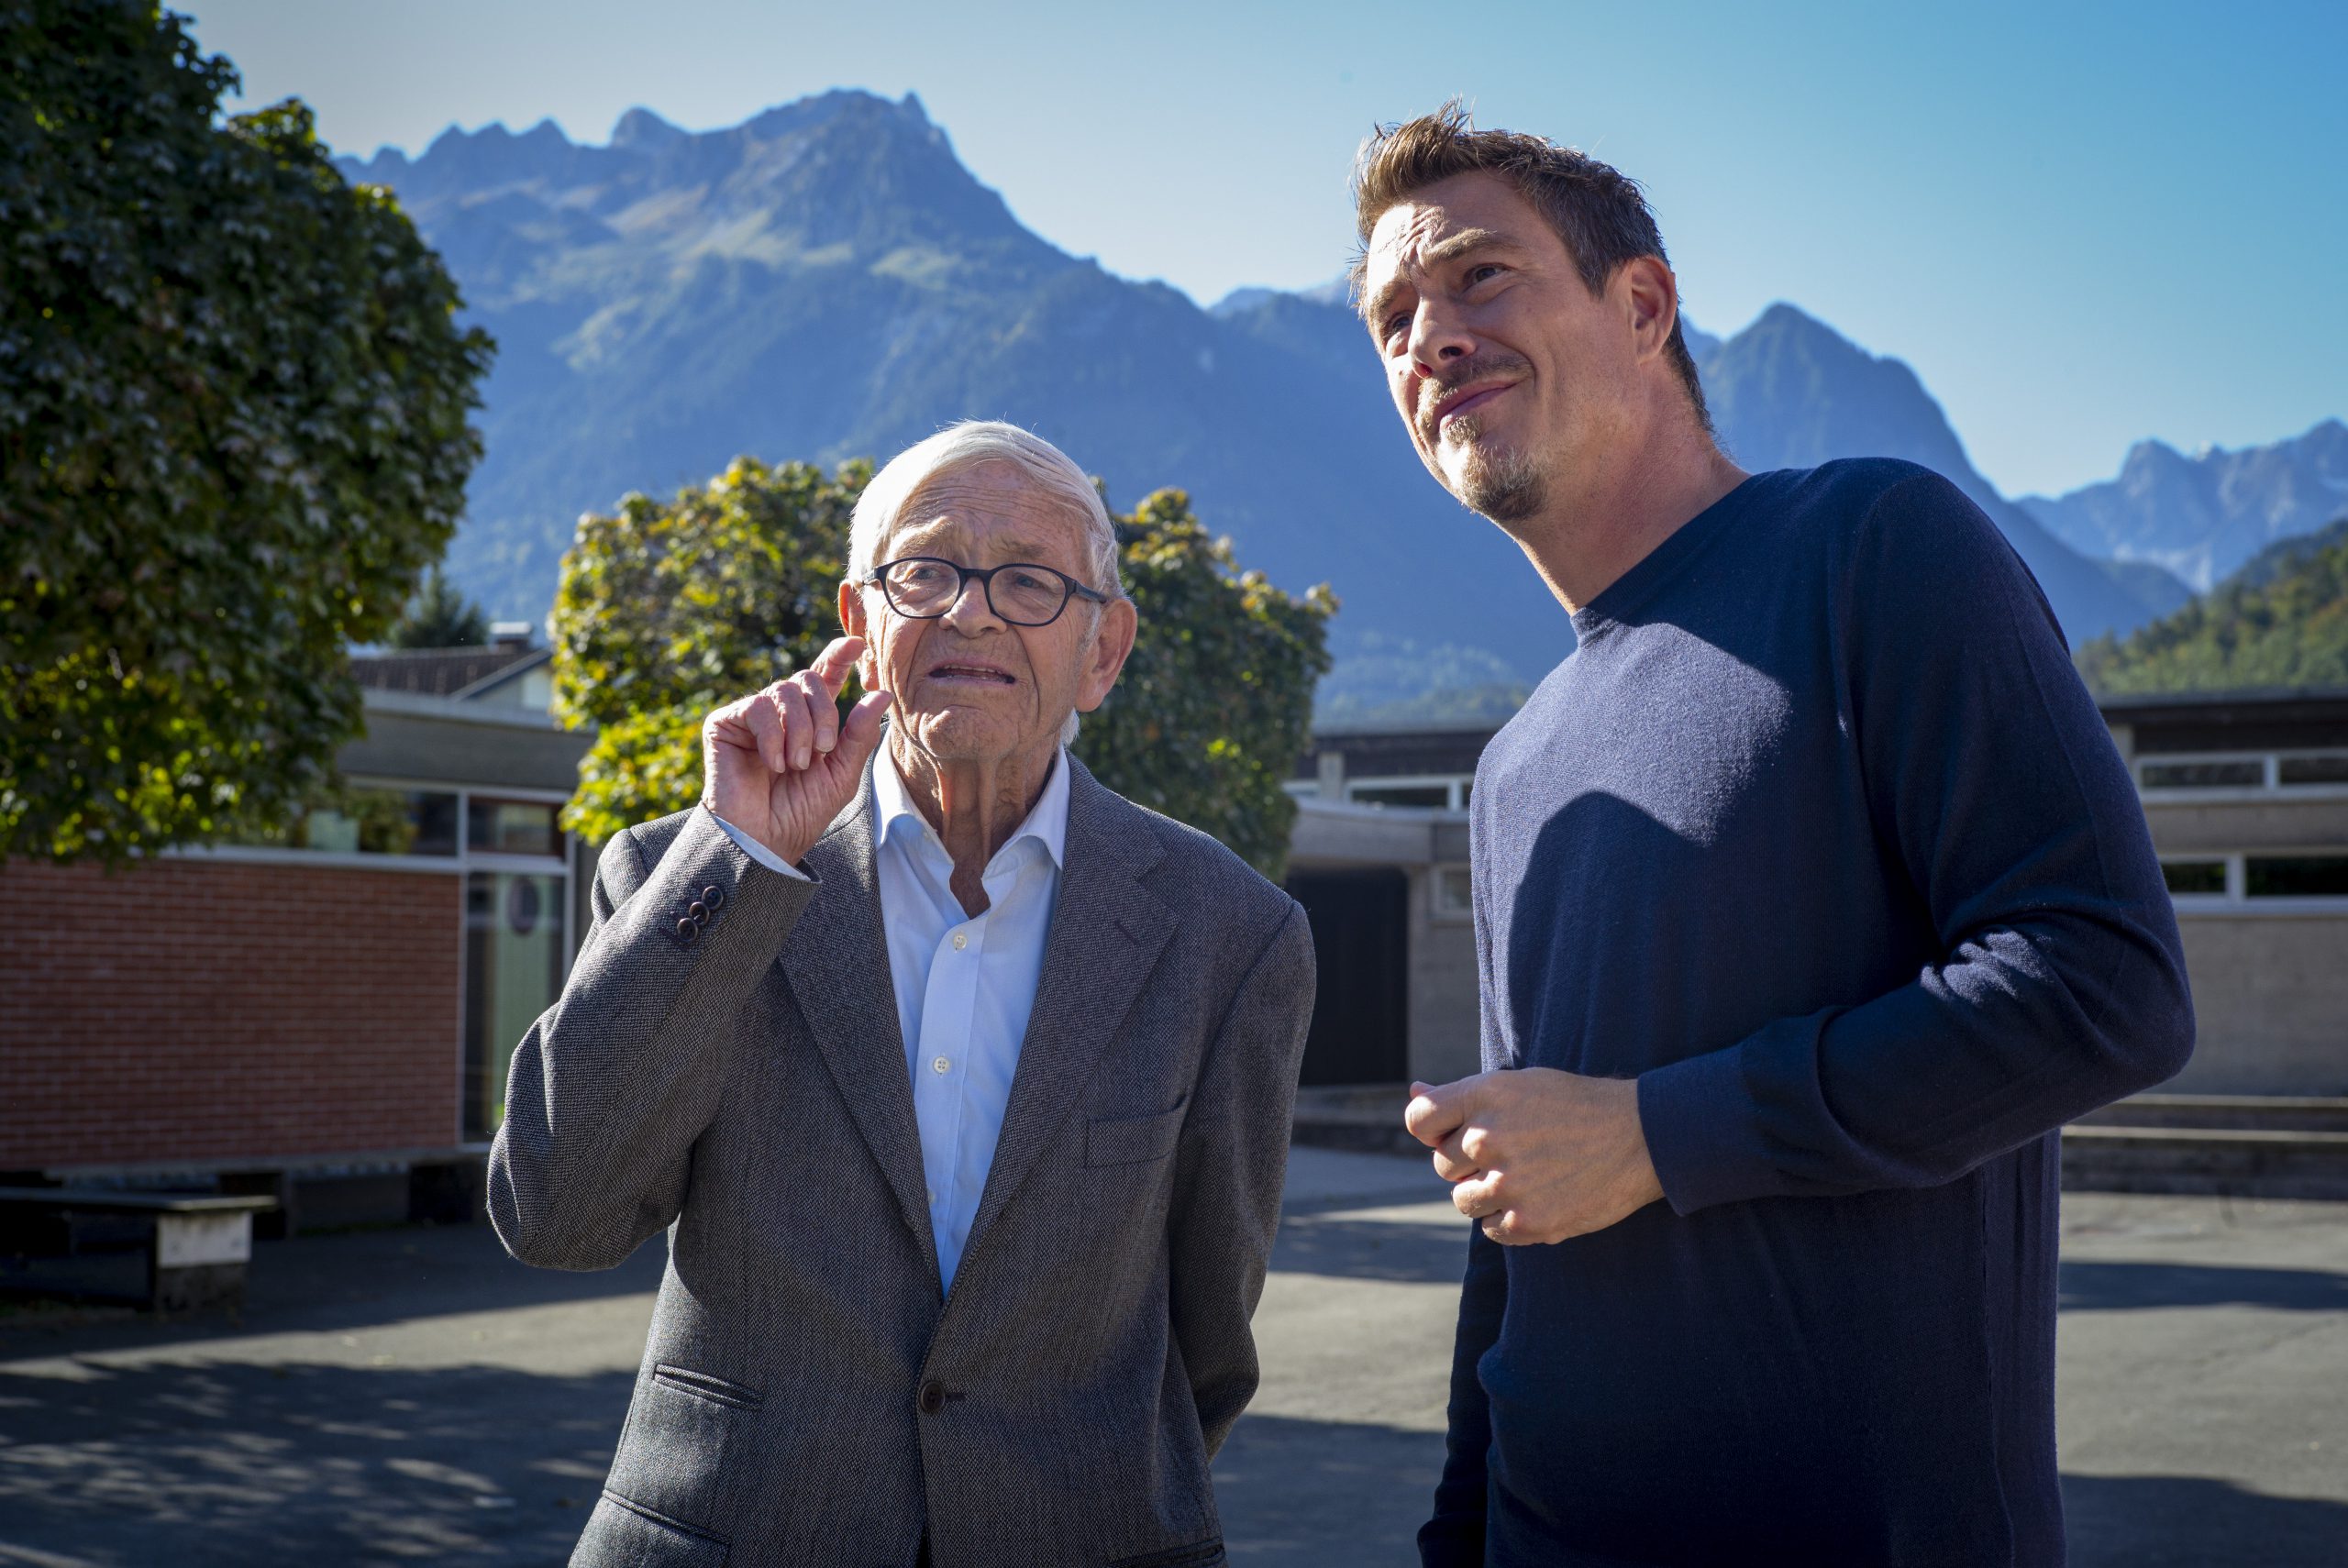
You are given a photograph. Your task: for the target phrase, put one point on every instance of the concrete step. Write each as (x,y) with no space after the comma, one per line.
(2241,1145)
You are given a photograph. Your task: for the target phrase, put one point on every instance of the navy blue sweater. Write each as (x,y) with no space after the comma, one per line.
(1818,836)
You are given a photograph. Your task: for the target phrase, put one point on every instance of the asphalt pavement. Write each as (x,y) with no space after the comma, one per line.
(409,1396)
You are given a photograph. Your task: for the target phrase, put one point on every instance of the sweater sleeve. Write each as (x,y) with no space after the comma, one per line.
(1993,784)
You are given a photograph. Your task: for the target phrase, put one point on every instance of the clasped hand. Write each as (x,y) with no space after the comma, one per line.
(1537,1154)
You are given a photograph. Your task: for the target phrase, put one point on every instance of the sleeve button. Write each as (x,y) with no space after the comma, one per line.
(712,896)
(698,914)
(687,931)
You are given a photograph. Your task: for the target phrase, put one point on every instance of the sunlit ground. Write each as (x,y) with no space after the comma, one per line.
(409,1396)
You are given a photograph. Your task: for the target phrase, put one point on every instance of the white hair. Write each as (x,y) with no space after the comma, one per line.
(880,508)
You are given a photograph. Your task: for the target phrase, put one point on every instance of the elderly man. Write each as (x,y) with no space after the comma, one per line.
(1811,898)
(960,1084)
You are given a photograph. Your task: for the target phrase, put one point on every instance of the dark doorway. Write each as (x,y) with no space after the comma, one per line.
(1360,1031)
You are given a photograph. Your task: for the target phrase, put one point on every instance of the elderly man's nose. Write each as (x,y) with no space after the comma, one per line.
(971,610)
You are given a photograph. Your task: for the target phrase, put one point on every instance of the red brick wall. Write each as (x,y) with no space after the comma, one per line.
(203,1010)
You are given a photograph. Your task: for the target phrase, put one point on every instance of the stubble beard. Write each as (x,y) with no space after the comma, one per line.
(1502,484)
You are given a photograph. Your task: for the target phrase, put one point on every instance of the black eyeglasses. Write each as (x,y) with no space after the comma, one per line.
(923,588)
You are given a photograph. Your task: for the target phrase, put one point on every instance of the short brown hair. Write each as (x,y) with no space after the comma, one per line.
(1597,212)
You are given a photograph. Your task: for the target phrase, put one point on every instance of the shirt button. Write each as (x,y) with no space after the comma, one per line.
(961,940)
(940,1065)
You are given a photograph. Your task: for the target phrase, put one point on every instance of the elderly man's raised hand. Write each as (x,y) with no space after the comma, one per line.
(778,764)
(1536,1154)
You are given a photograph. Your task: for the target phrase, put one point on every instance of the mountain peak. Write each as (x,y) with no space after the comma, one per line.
(641,130)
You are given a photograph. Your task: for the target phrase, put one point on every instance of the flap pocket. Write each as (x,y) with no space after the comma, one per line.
(1130,1140)
(621,1531)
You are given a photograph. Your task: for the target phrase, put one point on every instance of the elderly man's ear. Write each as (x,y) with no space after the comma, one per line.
(867,666)
(1111,647)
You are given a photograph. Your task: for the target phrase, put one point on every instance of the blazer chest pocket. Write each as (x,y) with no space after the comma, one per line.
(1130,1140)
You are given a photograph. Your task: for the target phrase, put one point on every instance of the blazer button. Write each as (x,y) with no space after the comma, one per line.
(933,1397)
(687,930)
(713,897)
(699,913)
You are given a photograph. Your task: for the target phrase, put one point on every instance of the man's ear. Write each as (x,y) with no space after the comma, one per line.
(852,623)
(1650,298)
(1113,642)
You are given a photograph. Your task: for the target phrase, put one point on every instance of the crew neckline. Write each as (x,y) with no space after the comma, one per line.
(1623,598)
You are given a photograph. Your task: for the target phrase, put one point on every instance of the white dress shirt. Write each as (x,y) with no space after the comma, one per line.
(965,984)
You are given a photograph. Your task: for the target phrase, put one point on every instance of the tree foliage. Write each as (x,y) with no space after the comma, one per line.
(439,617)
(666,610)
(233,405)
(2281,621)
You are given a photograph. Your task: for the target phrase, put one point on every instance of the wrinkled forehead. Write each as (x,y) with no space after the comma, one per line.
(986,511)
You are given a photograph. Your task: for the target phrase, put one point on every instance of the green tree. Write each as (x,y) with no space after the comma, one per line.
(666,610)
(2280,621)
(233,405)
(439,617)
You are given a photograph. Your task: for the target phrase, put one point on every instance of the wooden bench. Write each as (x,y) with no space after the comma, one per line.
(200,1245)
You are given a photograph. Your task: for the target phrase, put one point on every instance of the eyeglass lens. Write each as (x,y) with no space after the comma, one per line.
(1022,594)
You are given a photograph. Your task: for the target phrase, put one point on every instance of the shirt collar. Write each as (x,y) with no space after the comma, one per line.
(1047,824)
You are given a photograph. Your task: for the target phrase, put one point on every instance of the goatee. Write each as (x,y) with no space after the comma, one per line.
(1504,486)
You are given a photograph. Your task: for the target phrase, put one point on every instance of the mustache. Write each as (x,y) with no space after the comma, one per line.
(1459,372)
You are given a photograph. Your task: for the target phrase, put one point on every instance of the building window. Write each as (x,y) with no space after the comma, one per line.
(2195,877)
(515,949)
(1425,793)
(2309,770)
(2303,771)
(362,820)
(2235,773)
(2296,877)
(497,826)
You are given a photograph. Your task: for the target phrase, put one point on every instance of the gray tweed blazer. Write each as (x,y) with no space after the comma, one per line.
(725,1062)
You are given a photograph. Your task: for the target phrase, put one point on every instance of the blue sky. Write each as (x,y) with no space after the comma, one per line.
(2082,224)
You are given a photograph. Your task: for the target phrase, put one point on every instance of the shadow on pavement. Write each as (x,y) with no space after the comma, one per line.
(2185,1521)
(238,1465)
(1325,1492)
(2102,1286)
(326,1283)
(1430,1252)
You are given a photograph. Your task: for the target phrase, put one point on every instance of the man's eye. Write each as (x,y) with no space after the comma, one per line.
(919,574)
(1024,580)
(1484,270)
(1396,322)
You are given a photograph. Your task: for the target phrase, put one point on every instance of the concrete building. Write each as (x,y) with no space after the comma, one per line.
(2246,794)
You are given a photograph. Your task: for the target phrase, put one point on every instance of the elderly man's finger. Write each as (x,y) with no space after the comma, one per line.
(765,725)
(839,657)
(823,713)
(798,722)
(862,733)
(1435,1110)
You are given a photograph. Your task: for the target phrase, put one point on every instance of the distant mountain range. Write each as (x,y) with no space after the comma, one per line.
(2202,516)
(827,280)
(2281,620)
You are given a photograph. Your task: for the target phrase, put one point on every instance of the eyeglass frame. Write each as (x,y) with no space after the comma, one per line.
(985,575)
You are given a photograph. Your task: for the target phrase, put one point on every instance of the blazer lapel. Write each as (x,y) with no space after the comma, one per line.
(837,960)
(1107,931)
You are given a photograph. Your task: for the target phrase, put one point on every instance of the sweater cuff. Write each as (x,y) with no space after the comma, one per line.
(1702,1135)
